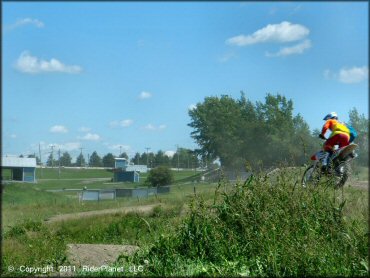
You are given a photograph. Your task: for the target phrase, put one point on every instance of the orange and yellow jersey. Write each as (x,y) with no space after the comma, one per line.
(335,127)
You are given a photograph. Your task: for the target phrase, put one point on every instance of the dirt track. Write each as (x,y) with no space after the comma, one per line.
(360,184)
(70,216)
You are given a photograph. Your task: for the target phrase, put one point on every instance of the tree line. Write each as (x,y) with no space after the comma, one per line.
(238,133)
(261,134)
(183,158)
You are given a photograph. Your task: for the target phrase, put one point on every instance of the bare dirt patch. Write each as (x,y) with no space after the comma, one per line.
(97,255)
(70,216)
(359,184)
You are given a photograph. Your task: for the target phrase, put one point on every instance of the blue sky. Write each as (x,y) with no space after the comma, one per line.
(122,75)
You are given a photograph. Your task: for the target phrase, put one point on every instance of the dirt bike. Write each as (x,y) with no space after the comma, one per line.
(338,170)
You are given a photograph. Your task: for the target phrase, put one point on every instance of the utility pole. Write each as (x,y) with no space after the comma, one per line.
(81,157)
(59,163)
(40,159)
(88,160)
(147,157)
(120,152)
(52,156)
(178,157)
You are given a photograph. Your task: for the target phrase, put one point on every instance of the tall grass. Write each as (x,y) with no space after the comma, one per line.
(260,229)
(34,243)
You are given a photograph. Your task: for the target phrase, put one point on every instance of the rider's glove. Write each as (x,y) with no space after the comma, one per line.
(322,136)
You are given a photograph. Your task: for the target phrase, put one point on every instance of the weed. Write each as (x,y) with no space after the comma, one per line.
(259,229)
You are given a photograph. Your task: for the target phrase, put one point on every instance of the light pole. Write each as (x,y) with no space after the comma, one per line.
(147,157)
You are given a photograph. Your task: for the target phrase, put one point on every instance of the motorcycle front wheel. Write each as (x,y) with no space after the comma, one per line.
(342,172)
(311,176)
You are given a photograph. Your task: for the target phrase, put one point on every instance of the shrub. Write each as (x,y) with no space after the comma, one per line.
(260,229)
(160,176)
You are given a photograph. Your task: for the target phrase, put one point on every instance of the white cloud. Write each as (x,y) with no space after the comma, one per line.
(13,136)
(71,146)
(27,63)
(25,21)
(90,137)
(227,57)
(122,123)
(126,123)
(295,49)
(58,129)
(348,75)
(84,129)
(282,32)
(169,153)
(145,95)
(150,127)
(114,123)
(353,75)
(192,107)
(154,128)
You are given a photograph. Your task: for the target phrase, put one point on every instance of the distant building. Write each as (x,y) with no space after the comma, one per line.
(21,169)
(122,176)
(137,168)
(120,163)
(122,173)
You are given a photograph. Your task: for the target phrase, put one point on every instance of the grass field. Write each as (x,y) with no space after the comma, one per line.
(187,216)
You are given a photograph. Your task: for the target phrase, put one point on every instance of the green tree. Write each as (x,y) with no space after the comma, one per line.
(95,160)
(123,155)
(216,123)
(65,159)
(80,160)
(147,159)
(108,160)
(159,176)
(38,162)
(136,159)
(51,162)
(361,124)
(160,159)
(238,131)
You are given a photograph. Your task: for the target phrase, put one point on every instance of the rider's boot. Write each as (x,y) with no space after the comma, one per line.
(325,162)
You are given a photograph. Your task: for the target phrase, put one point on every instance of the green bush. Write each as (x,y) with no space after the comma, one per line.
(160,176)
(260,229)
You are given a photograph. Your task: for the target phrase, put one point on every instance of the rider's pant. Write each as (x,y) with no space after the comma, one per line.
(340,139)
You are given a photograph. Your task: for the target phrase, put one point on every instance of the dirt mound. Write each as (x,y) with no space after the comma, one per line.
(97,255)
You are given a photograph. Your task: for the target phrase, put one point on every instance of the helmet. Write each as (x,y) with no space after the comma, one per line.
(332,115)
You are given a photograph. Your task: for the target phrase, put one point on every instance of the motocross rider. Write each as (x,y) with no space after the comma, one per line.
(340,135)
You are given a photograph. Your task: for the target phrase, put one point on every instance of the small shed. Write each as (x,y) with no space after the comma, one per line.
(122,176)
(21,169)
